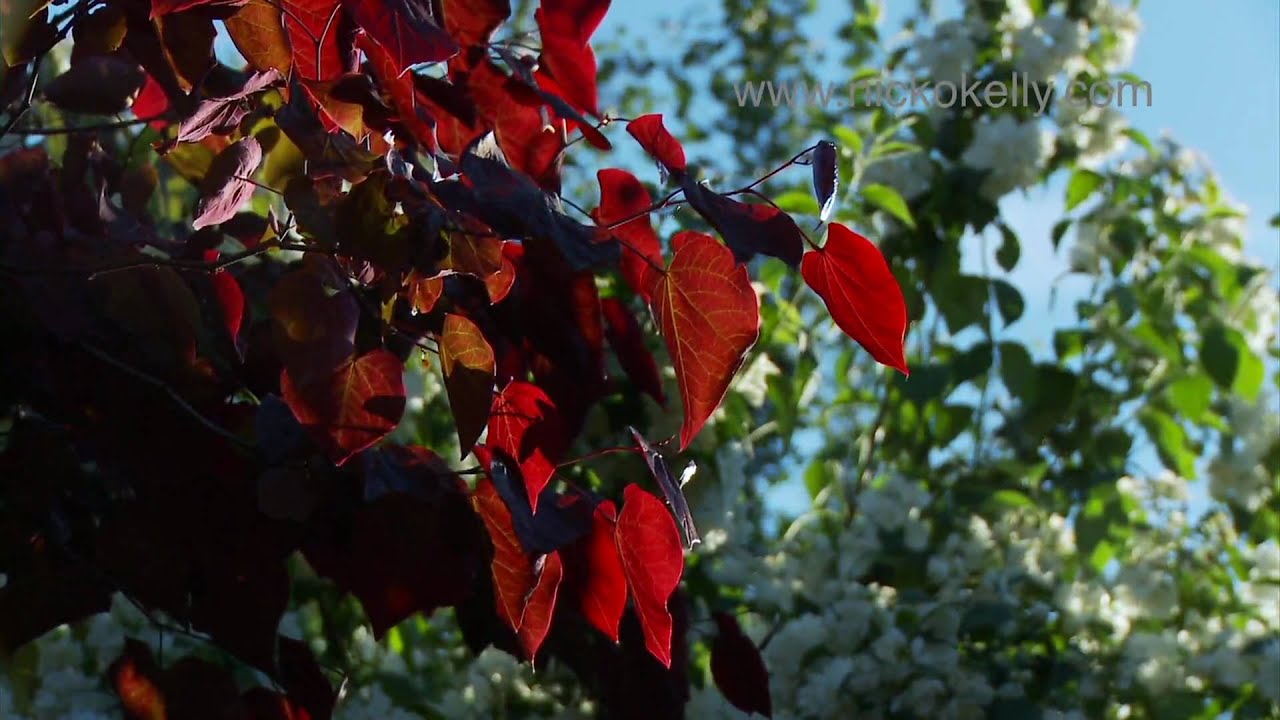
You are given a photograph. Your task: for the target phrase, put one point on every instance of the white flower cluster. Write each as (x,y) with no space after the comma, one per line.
(843,645)
(1013,151)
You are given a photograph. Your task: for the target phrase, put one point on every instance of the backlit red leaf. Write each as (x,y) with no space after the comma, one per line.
(512,568)
(851,276)
(472,22)
(574,68)
(709,316)
(574,19)
(358,406)
(604,592)
(541,605)
(468,365)
(258,31)
(653,136)
(405,29)
(622,196)
(524,424)
(230,300)
(649,546)
(738,669)
(628,342)
(226,186)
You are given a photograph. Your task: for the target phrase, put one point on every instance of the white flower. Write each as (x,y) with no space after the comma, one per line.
(948,53)
(1050,45)
(1012,151)
(1122,25)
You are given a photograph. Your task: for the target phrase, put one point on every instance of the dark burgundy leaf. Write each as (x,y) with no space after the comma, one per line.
(101,85)
(227,185)
(738,669)
(623,197)
(628,342)
(560,519)
(670,489)
(747,229)
(405,28)
(826,177)
(468,365)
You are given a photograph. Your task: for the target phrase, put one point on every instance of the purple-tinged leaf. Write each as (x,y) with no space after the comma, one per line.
(826,177)
(670,489)
(226,187)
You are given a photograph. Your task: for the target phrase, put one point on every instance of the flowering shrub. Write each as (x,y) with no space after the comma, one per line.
(1087,530)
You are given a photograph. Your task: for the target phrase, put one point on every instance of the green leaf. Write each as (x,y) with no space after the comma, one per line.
(1219,355)
(1249,376)
(1083,184)
(849,138)
(1140,137)
(1010,249)
(1171,442)
(1008,301)
(1069,343)
(888,200)
(1059,231)
(1191,395)
(1018,371)
(797,202)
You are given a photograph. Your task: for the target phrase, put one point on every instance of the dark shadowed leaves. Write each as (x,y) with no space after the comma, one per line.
(628,342)
(101,85)
(738,669)
(561,519)
(670,489)
(405,29)
(649,546)
(851,276)
(314,321)
(747,229)
(468,365)
(710,317)
(227,185)
(524,425)
(358,405)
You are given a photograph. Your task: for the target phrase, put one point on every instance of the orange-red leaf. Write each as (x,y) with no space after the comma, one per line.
(649,546)
(541,605)
(653,136)
(851,276)
(524,424)
(468,365)
(623,196)
(709,316)
(604,593)
(511,568)
(359,405)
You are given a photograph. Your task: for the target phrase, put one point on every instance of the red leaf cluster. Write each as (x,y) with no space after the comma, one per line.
(235,402)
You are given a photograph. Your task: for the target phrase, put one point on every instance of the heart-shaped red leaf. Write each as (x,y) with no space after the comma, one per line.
(627,340)
(541,606)
(603,596)
(226,186)
(512,568)
(738,669)
(576,19)
(468,365)
(623,196)
(230,300)
(851,276)
(710,317)
(473,22)
(649,546)
(356,407)
(653,136)
(524,424)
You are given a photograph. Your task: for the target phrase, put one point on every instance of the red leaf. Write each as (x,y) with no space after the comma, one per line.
(405,29)
(622,196)
(226,187)
(653,136)
(574,68)
(574,19)
(136,679)
(604,594)
(524,424)
(499,283)
(710,317)
(512,569)
(151,102)
(167,7)
(468,365)
(423,292)
(738,669)
(541,605)
(358,406)
(627,340)
(649,546)
(230,299)
(258,32)
(851,276)
(313,28)
(400,91)
(747,229)
(473,22)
